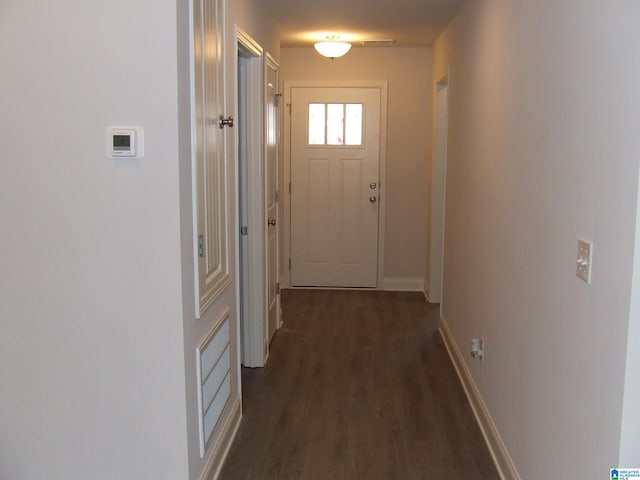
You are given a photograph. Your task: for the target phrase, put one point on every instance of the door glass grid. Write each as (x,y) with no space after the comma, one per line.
(335,124)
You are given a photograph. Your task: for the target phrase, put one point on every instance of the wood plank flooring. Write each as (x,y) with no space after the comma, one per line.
(358,386)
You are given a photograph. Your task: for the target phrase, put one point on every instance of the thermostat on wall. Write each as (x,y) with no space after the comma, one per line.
(125,142)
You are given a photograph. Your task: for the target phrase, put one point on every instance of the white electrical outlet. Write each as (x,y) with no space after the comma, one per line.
(584,261)
(477,348)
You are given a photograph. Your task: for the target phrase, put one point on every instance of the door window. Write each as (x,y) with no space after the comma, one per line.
(335,124)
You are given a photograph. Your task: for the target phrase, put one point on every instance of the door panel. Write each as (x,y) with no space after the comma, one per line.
(318,196)
(351,193)
(210,181)
(334,224)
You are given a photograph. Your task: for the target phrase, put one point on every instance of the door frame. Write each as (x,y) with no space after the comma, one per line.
(251,198)
(434,277)
(382,85)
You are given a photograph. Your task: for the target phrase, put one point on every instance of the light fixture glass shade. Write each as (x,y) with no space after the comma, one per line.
(332,49)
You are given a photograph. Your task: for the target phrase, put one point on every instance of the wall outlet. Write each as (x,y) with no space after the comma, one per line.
(477,348)
(584,260)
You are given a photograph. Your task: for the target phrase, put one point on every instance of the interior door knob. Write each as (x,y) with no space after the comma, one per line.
(225,121)
(373,185)
(271,222)
(373,199)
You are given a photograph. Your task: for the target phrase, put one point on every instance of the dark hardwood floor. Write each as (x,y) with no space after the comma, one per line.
(358,386)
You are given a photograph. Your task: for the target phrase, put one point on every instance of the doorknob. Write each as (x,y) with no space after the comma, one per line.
(271,222)
(225,121)
(373,185)
(373,199)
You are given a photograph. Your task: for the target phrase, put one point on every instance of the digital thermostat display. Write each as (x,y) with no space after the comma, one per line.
(122,143)
(125,142)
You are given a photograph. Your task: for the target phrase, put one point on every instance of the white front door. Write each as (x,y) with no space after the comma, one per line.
(335,182)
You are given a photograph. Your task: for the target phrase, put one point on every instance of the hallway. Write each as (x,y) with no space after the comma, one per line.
(358,386)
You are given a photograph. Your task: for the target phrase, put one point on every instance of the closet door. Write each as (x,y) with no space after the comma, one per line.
(210,180)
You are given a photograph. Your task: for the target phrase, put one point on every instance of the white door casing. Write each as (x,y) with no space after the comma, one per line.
(336,191)
(437,193)
(252,208)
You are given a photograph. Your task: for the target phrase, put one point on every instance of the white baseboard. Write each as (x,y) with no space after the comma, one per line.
(426,296)
(391,284)
(221,449)
(403,284)
(497,448)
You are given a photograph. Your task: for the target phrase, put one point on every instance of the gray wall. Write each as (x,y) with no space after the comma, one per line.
(97,352)
(543,149)
(91,352)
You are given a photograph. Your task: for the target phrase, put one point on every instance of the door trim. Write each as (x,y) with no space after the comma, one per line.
(382,85)
(433,279)
(252,275)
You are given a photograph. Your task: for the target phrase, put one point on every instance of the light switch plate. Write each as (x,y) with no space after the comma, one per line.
(584,261)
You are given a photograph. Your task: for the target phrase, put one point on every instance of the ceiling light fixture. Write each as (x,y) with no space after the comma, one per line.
(332,48)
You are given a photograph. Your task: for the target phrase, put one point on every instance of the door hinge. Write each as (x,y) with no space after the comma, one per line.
(289,188)
(289,105)
(244,231)
(201,246)
(289,264)
(277,195)
(278,288)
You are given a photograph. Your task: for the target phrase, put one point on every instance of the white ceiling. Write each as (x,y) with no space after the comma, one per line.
(409,22)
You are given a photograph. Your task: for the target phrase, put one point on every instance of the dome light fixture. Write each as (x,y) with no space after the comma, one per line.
(332,48)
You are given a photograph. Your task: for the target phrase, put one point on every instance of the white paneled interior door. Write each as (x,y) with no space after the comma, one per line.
(335,183)
(210,181)
(218,381)
(272,140)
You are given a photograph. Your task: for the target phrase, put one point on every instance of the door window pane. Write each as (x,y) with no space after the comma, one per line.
(353,124)
(335,124)
(316,123)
